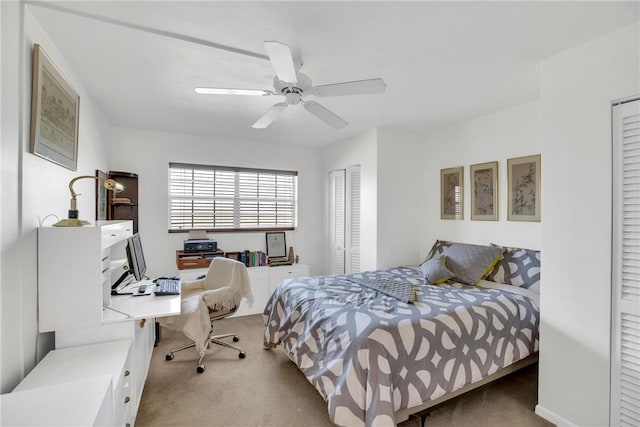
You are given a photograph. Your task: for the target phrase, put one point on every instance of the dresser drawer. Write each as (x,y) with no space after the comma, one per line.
(122,393)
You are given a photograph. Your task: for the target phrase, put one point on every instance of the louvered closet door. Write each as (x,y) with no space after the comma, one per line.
(337,181)
(625,350)
(353,220)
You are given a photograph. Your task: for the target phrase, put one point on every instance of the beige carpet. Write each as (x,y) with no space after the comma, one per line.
(267,389)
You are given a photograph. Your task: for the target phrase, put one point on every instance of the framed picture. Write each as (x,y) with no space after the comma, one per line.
(484,191)
(101,196)
(276,244)
(523,181)
(55,106)
(451,193)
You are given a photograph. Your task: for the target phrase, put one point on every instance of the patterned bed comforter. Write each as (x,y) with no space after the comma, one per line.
(370,355)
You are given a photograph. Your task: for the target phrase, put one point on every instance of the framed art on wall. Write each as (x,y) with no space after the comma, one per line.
(451,193)
(101,196)
(55,106)
(484,191)
(523,181)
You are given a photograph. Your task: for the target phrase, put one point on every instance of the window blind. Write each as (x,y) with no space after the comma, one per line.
(222,198)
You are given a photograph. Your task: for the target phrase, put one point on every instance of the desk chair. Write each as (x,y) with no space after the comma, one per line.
(204,301)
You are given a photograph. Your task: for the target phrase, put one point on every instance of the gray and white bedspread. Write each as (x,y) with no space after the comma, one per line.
(370,355)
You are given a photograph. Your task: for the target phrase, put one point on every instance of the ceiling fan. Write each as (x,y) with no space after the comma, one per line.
(295,86)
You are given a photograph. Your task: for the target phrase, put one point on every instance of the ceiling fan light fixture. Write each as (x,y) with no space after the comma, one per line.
(222,91)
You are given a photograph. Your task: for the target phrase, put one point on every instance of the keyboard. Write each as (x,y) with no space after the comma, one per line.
(167,286)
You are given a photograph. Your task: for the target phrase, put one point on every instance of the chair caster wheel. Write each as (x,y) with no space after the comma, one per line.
(200,369)
(242,355)
(236,338)
(168,356)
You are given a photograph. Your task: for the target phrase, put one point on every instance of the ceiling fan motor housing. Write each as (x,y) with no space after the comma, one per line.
(293,92)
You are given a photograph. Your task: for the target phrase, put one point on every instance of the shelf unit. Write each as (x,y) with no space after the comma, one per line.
(125,210)
(74,273)
(111,359)
(185,260)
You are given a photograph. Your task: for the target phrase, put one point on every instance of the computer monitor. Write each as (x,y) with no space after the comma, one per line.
(135,257)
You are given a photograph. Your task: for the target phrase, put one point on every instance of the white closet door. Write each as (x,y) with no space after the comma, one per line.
(337,180)
(625,333)
(353,220)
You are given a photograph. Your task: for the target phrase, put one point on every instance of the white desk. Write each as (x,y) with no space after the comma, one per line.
(127,307)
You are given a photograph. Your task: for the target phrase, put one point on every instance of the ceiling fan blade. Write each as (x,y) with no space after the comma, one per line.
(324,114)
(229,91)
(360,87)
(282,61)
(270,115)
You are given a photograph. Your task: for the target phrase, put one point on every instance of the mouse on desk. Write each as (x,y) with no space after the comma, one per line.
(202,276)
(142,290)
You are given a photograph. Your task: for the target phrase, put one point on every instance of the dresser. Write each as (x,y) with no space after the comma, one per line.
(111,401)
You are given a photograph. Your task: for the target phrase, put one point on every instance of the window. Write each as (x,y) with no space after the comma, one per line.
(223,198)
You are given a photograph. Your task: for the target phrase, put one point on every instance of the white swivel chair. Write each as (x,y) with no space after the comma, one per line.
(204,301)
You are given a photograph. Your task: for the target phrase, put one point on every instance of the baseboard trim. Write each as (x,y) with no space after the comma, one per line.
(553,417)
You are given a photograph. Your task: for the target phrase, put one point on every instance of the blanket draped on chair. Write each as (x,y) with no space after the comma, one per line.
(225,285)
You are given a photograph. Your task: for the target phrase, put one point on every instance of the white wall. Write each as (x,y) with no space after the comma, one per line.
(577,87)
(400,198)
(358,150)
(508,133)
(11,347)
(148,154)
(37,187)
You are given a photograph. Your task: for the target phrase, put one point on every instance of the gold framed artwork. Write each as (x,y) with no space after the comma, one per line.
(451,193)
(484,191)
(523,181)
(55,106)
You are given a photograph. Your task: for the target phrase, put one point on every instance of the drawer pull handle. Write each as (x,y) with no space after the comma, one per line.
(142,322)
(127,425)
(127,373)
(127,399)
(113,235)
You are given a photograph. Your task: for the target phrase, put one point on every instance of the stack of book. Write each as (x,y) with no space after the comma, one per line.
(253,258)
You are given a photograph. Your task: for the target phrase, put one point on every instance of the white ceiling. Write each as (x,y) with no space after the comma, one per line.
(442,61)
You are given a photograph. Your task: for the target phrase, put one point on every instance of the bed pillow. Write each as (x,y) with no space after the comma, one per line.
(435,270)
(438,247)
(470,263)
(519,267)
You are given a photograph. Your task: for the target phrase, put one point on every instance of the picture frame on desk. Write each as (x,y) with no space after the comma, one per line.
(276,244)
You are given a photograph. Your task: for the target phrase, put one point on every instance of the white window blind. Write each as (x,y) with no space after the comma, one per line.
(222,198)
(625,330)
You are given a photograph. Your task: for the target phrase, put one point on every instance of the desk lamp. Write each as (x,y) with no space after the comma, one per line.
(73,220)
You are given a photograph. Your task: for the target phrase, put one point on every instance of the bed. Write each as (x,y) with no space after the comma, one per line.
(376,358)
